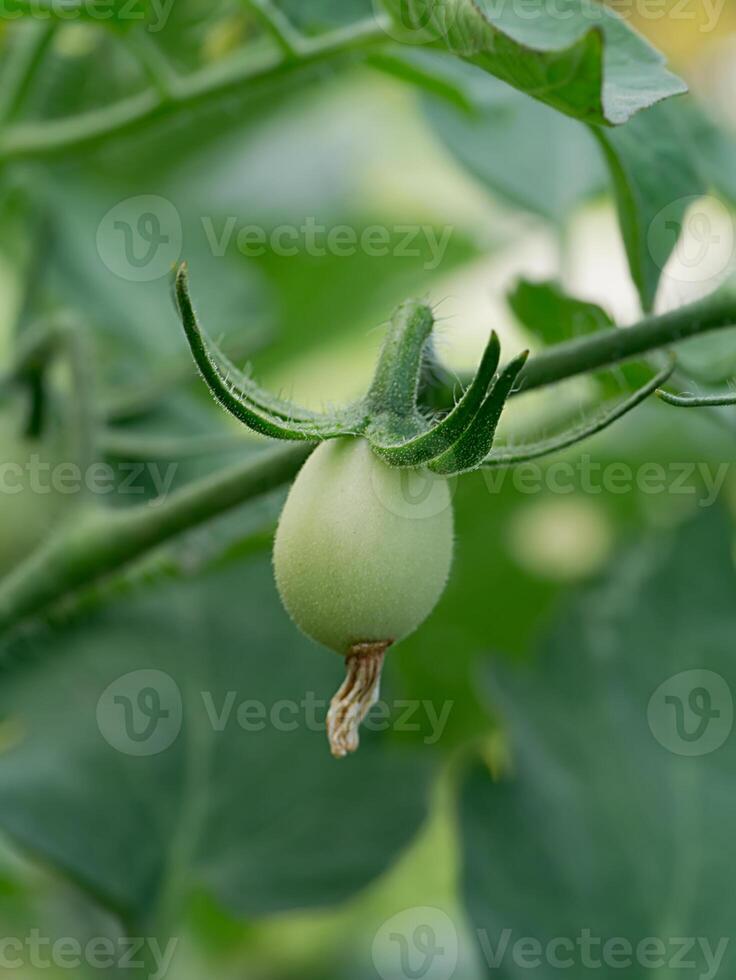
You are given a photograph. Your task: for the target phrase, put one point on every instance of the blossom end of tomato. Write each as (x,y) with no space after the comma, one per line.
(357,695)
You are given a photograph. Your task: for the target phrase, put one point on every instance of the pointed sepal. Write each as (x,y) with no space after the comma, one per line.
(240,396)
(476,441)
(570,437)
(442,436)
(393,391)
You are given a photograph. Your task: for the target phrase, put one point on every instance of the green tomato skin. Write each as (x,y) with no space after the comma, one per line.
(363,550)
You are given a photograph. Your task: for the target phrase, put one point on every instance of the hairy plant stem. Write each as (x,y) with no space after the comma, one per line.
(49,339)
(100,541)
(607,347)
(104,542)
(234,78)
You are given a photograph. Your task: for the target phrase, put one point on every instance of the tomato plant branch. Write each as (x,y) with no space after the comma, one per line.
(100,541)
(122,444)
(45,341)
(234,78)
(698,401)
(608,347)
(162,76)
(278,26)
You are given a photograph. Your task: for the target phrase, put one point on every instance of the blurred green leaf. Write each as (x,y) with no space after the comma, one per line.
(324,14)
(620,793)
(553,316)
(546,311)
(490,602)
(323,297)
(655,178)
(715,146)
(499,133)
(655,163)
(577,56)
(256,813)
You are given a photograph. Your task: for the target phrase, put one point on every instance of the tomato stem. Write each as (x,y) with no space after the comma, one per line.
(607,347)
(201,90)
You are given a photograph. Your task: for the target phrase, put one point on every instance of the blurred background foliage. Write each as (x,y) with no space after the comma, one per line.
(264,857)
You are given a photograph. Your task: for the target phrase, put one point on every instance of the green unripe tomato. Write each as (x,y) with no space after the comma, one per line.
(363,550)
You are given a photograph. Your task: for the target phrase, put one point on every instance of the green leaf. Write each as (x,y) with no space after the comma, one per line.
(495,132)
(549,313)
(616,806)
(657,163)
(258,813)
(655,178)
(319,15)
(552,315)
(575,55)
(715,148)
